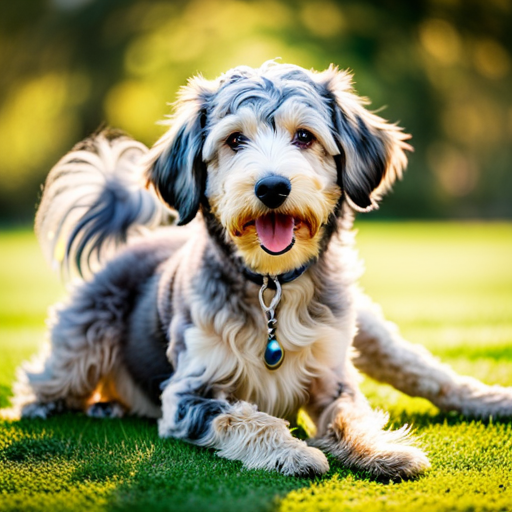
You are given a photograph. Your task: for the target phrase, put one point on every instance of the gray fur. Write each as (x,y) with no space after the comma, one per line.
(179,175)
(90,206)
(373,158)
(103,410)
(265,95)
(147,363)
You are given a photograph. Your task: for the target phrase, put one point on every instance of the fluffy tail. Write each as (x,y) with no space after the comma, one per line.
(95,199)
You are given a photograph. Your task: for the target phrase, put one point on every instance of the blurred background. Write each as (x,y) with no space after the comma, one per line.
(441,68)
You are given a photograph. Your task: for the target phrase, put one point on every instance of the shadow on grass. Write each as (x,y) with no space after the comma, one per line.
(426,419)
(138,471)
(134,467)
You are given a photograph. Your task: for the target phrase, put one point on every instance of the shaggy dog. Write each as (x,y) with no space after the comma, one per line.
(226,328)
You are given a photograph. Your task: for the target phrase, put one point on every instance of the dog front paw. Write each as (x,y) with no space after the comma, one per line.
(302,461)
(262,441)
(381,460)
(397,462)
(392,462)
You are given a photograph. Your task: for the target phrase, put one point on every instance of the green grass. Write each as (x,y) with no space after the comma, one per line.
(449,286)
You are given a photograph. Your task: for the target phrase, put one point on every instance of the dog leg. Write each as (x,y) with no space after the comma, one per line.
(83,350)
(384,355)
(236,430)
(351,431)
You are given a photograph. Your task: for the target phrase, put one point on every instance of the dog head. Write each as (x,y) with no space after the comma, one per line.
(272,152)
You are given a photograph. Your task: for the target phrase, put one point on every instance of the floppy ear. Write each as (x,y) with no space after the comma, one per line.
(371,149)
(174,165)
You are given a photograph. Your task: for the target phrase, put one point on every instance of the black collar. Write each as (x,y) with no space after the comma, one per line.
(287,277)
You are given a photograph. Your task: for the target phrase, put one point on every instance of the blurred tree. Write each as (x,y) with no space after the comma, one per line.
(442,67)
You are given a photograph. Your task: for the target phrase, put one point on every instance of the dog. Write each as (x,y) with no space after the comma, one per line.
(225,328)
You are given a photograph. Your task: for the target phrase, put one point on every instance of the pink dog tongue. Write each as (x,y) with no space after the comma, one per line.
(275,231)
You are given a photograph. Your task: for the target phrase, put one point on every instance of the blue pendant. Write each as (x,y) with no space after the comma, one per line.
(274,354)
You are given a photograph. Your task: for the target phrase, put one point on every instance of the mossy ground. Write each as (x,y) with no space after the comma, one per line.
(448,286)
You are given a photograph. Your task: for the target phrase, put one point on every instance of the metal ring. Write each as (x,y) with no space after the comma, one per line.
(275,300)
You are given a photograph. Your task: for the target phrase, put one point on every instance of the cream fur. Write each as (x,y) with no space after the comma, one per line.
(232,176)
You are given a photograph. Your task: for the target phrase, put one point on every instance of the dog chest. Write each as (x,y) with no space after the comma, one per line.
(231,348)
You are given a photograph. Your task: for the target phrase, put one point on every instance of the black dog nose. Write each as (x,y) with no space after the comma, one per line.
(272,191)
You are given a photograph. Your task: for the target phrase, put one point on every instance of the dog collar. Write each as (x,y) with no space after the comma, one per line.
(287,277)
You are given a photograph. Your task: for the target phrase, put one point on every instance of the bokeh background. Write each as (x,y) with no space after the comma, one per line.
(441,68)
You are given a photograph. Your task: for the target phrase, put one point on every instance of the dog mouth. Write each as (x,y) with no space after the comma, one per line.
(276,232)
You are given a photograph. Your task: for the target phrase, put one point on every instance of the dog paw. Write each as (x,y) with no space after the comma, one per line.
(43,410)
(399,462)
(105,410)
(381,460)
(301,461)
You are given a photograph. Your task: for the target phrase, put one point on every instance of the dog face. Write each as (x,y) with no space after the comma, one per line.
(271,181)
(271,153)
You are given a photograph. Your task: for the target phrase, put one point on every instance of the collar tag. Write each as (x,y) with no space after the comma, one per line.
(274,353)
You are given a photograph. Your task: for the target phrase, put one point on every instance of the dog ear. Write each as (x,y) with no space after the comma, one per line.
(174,165)
(371,149)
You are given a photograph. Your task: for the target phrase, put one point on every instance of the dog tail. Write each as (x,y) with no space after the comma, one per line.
(94,199)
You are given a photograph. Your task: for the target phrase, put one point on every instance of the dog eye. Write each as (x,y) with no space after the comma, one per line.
(236,140)
(303,138)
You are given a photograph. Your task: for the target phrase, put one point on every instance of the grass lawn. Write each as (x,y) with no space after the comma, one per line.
(449,286)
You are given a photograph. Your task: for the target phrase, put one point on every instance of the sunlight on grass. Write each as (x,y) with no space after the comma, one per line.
(439,273)
(27,289)
(26,283)
(448,286)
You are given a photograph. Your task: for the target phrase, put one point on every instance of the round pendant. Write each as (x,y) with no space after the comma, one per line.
(274,354)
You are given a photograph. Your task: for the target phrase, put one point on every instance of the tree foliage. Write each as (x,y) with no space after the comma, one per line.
(442,68)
